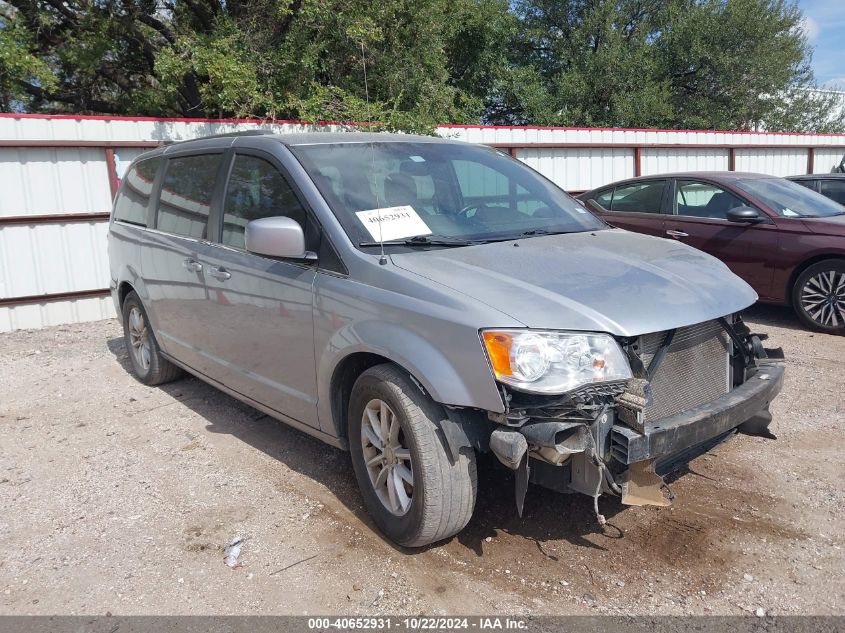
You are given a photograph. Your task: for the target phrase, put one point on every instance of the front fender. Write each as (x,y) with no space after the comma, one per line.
(452,374)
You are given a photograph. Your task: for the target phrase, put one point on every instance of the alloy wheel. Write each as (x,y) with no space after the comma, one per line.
(139,338)
(823,298)
(387,459)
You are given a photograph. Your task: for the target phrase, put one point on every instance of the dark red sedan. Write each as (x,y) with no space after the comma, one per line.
(786,241)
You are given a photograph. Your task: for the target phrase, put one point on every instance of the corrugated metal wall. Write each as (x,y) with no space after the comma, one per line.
(57,175)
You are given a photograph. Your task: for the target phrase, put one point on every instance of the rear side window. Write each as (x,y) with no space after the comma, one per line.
(833,189)
(256,190)
(640,197)
(134,197)
(603,199)
(186,195)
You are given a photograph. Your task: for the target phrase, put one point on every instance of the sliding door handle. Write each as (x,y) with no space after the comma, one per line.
(677,234)
(192,265)
(219,273)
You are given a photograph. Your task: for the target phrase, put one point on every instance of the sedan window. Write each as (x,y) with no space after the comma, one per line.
(639,197)
(789,199)
(833,189)
(704,200)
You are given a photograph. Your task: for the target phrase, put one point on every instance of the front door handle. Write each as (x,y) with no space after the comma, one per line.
(219,273)
(192,265)
(677,234)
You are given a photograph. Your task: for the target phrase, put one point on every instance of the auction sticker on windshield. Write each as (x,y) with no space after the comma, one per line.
(395,222)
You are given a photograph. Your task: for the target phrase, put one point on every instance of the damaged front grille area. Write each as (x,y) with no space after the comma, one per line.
(695,368)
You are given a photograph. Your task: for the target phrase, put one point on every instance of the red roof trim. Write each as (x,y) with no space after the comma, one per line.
(91,117)
(624,129)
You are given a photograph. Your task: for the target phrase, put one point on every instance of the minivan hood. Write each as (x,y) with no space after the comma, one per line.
(608,281)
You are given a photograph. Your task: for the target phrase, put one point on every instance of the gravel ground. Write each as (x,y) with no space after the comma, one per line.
(116,497)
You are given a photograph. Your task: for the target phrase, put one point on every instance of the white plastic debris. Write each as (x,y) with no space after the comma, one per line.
(233,551)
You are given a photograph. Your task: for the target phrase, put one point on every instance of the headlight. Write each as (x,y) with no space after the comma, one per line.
(553,362)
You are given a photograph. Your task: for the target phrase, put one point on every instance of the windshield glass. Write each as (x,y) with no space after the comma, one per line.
(436,192)
(790,199)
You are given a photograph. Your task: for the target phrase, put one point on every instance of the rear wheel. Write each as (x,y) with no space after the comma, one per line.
(413,489)
(818,296)
(150,366)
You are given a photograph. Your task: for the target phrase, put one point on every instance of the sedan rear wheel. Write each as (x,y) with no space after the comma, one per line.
(819,296)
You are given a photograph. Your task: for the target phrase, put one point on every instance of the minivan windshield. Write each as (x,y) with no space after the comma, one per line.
(437,194)
(789,199)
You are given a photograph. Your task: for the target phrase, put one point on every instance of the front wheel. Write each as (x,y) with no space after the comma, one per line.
(818,296)
(414,490)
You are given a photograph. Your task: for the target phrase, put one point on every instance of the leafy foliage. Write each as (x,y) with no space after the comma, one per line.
(635,63)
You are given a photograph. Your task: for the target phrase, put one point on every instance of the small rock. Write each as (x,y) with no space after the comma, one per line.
(394,575)
(507,571)
(489,539)
(620,583)
(181,581)
(760,612)
(748,578)
(588,597)
(564,583)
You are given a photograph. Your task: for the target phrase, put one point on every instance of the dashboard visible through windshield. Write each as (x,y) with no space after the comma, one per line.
(437,194)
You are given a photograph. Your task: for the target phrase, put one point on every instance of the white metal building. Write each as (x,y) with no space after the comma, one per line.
(59,173)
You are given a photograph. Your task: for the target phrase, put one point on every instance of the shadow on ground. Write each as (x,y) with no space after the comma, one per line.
(761,314)
(548,515)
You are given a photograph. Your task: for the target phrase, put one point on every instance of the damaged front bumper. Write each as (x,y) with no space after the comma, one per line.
(677,434)
(598,441)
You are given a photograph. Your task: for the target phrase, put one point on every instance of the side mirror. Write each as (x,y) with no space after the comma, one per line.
(277,237)
(745,215)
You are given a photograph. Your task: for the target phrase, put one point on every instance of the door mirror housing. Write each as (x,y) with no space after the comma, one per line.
(745,215)
(278,236)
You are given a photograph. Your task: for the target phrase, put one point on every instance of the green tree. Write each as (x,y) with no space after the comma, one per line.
(735,64)
(731,64)
(263,58)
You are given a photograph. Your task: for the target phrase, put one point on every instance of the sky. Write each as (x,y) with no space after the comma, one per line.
(824,26)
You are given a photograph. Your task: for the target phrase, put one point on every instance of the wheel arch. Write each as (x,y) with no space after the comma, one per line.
(815,259)
(343,379)
(123,289)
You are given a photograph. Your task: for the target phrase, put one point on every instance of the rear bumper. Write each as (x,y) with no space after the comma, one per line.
(701,425)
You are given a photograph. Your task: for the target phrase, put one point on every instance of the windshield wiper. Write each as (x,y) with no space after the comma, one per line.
(421,240)
(531,233)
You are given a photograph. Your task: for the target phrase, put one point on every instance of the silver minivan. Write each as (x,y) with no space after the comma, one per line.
(417,301)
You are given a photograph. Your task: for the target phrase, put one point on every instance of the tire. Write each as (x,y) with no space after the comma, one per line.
(818,296)
(150,367)
(442,492)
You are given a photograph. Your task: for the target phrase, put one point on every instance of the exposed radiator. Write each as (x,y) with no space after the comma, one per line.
(694,370)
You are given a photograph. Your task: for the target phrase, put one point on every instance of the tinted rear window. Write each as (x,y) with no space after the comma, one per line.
(186,195)
(133,200)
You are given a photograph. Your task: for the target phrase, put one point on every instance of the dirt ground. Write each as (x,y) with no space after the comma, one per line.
(116,497)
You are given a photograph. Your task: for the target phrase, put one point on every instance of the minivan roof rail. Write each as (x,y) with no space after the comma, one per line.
(259,132)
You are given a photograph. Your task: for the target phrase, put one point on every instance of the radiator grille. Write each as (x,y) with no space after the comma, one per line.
(694,370)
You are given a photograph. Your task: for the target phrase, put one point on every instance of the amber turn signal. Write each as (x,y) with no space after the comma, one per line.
(498,346)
